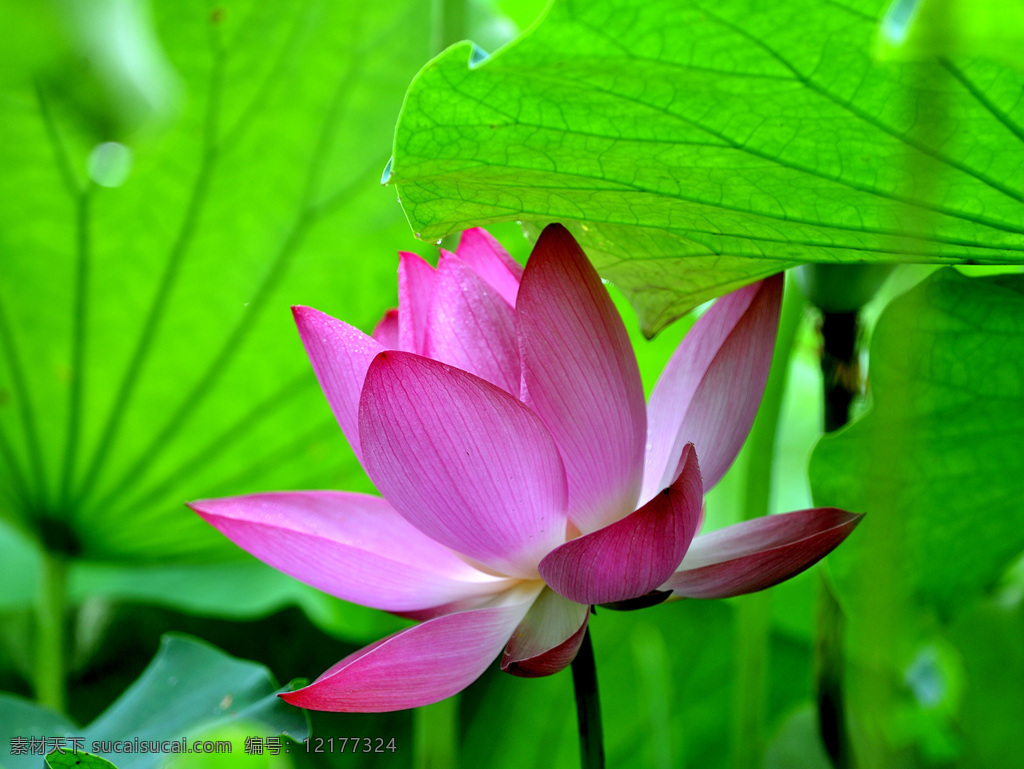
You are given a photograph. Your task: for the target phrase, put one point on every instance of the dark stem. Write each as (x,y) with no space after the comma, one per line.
(839,366)
(588,705)
(840,371)
(829,667)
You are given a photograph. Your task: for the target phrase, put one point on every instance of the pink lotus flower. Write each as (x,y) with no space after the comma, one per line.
(500,413)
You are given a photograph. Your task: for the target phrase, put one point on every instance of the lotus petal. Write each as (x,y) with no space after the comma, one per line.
(471,327)
(548,638)
(415,292)
(420,665)
(711,388)
(490,261)
(631,557)
(340,355)
(463,461)
(353,546)
(759,553)
(580,376)
(386,330)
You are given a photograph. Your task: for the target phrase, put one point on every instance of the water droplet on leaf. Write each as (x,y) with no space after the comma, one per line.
(109,164)
(477,56)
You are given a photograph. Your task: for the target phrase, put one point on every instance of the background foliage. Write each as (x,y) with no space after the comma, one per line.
(177,174)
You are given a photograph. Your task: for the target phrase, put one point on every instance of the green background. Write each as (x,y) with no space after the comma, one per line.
(176,175)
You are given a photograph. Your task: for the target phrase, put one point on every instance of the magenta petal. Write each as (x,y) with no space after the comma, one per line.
(478,249)
(711,388)
(632,556)
(760,553)
(417,666)
(340,355)
(580,376)
(463,461)
(415,290)
(386,330)
(548,638)
(353,546)
(471,327)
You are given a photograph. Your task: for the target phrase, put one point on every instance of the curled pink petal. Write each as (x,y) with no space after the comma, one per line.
(756,554)
(478,249)
(353,546)
(463,461)
(580,376)
(415,291)
(386,330)
(711,388)
(417,666)
(548,638)
(340,355)
(631,557)
(471,327)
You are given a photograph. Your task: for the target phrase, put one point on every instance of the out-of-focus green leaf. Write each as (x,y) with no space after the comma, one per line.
(147,353)
(230,590)
(914,30)
(993,658)
(522,12)
(696,146)
(797,745)
(20,568)
(936,462)
(77,760)
(20,718)
(236,589)
(247,751)
(188,690)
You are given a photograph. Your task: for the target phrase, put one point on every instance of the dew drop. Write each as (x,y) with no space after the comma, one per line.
(477,56)
(898,21)
(109,164)
(386,176)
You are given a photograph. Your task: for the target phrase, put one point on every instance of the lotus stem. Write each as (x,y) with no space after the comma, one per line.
(588,706)
(50,641)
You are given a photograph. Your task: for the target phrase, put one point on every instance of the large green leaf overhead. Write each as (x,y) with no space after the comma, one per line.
(936,463)
(147,350)
(700,145)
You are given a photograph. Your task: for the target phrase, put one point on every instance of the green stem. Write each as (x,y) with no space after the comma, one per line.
(754,611)
(753,637)
(588,705)
(50,610)
(436,735)
(449,23)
